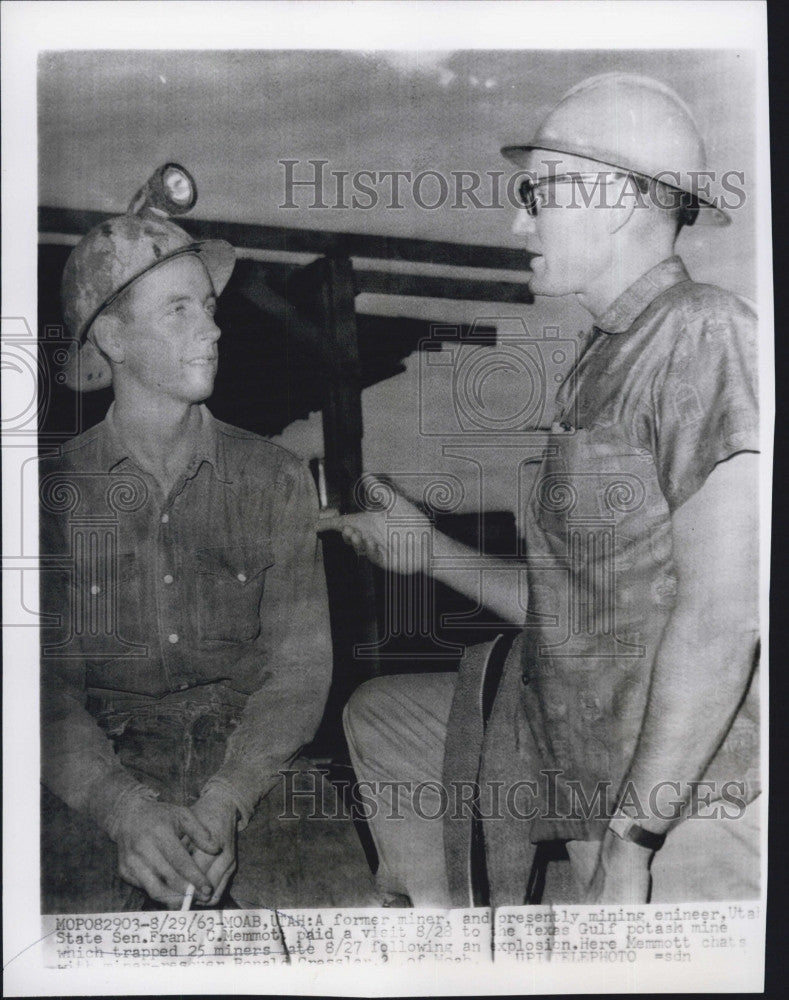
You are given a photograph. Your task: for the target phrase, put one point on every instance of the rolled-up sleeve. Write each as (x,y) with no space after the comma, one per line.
(292,655)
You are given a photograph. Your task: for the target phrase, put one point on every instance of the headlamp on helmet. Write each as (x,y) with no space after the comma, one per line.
(118,252)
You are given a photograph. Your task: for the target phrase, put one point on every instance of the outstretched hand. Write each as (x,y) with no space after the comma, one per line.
(397,546)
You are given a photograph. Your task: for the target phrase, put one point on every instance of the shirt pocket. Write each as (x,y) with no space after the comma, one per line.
(230,583)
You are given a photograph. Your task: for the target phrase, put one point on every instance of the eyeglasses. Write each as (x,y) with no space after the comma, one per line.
(533,197)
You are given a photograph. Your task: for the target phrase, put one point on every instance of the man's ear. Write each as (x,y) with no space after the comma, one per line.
(624,199)
(107,333)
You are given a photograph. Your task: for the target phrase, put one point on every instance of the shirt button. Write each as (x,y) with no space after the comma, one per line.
(242,577)
(173,637)
(95,589)
(525,678)
(167,578)
(165,518)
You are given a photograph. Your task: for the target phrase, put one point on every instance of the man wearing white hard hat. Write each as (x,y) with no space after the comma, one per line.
(626,716)
(192,656)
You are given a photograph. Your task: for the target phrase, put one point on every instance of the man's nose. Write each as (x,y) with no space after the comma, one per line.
(523,223)
(209,330)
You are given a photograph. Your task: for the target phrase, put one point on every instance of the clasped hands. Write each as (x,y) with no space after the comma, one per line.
(163,847)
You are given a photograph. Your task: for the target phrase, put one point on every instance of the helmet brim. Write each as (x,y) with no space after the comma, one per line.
(219,259)
(87,369)
(520,155)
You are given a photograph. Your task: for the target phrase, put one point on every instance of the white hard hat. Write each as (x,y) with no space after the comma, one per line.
(633,123)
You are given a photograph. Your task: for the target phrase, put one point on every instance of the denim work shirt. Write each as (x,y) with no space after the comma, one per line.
(664,390)
(214,593)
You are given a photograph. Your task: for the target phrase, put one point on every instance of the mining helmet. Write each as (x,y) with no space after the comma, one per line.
(632,123)
(108,260)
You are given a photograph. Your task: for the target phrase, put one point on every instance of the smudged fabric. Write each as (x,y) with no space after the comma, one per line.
(664,391)
(215,592)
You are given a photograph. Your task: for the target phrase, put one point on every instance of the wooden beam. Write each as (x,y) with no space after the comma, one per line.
(342,411)
(316,241)
(331,280)
(415,285)
(436,287)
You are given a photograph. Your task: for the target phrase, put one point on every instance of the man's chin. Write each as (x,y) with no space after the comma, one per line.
(199,394)
(541,286)
(542,282)
(202,386)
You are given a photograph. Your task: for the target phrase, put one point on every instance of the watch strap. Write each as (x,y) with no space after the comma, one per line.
(626,828)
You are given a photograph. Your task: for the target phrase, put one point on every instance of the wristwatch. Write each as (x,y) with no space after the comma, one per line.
(626,828)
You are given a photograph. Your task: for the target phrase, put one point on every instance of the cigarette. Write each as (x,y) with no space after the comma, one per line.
(189,895)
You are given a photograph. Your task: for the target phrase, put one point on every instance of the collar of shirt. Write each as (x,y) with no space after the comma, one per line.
(208,447)
(625,310)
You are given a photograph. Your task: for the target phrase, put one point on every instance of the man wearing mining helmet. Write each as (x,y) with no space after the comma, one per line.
(633,681)
(182,676)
